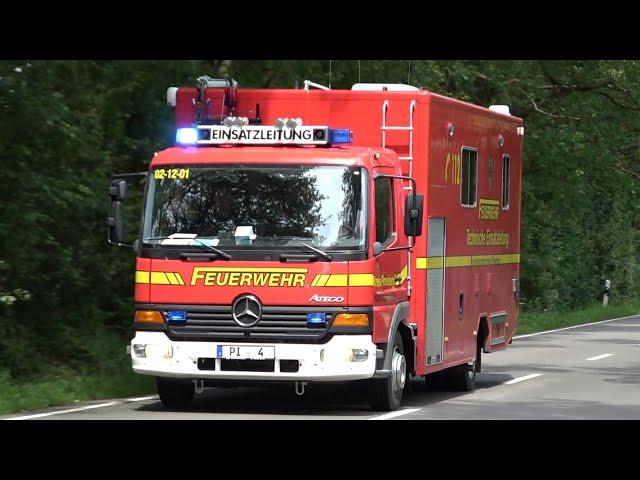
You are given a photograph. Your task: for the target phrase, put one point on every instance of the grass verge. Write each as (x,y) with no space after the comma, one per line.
(532,322)
(64,390)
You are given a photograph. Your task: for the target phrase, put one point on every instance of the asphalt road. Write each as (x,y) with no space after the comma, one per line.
(588,372)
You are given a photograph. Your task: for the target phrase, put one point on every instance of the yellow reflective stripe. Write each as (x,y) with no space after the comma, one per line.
(159,278)
(337,280)
(510,258)
(425,263)
(461,261)
(361,280)
(320,280)
(495,259)
(142,277)
(435,262)
(403,274)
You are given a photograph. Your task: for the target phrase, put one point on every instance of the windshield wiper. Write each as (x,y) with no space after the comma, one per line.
(218,252)
(324,255)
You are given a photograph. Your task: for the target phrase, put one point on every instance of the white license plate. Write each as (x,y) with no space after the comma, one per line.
(245,352)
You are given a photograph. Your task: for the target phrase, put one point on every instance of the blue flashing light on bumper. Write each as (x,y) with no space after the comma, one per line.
(187,136)
(340,135)
(316,319)
(177,316)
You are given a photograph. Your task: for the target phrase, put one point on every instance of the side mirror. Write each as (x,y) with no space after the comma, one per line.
(413,214)
(115,217)
(118,190)
(377,249)
(115,222)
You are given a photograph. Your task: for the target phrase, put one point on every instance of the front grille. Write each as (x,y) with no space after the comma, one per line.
(276,324)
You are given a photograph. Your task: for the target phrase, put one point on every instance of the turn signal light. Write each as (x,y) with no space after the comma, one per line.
(148,316)
(351,320)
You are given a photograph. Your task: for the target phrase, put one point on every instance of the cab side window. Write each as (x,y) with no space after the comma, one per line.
(506,166)
(468,186)
(384,210)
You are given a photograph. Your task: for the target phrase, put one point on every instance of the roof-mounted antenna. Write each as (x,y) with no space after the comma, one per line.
(203,101)
(358,71)
(409,76)
(329,73)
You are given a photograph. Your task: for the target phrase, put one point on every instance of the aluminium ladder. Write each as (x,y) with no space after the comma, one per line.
(408,128)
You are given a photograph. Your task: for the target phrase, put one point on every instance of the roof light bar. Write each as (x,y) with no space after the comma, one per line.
(237,132)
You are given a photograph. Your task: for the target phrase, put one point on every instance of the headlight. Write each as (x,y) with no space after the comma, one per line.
(153,351)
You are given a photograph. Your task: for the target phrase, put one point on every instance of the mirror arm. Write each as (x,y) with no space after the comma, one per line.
(119,244)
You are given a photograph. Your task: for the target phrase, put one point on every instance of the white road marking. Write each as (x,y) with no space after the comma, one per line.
(604,355)
(79,409)
(523,379)
(387,416)
(60,412)
(141,399)
(573,326)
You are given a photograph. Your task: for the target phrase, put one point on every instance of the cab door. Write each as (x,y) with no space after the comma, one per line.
(390,271)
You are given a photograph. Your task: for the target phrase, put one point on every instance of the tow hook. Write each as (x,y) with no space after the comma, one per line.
(199,386)
(300,388)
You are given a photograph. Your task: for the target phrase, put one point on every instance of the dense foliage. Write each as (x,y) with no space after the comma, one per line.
(65,296)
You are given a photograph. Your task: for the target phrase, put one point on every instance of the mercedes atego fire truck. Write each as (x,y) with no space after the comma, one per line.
(317,235)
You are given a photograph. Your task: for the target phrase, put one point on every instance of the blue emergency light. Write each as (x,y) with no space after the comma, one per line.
(339,135)
(177,316)
(316,319)
(187,136)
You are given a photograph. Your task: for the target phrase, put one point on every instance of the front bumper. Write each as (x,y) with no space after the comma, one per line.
(332,365)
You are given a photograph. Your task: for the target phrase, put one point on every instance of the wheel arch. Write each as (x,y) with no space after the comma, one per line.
(400,325)
(483,331)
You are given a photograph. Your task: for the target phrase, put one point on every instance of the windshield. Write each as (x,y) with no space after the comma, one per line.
(261,207)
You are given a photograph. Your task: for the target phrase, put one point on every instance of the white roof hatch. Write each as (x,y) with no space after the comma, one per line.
(392,87)
(503,109)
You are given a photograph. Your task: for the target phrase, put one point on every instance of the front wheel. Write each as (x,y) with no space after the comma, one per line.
(385,394)
(175,393)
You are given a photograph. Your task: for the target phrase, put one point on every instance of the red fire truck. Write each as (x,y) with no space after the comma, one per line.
(316,235)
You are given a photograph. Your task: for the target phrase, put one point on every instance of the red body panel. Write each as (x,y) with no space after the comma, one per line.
(482,272)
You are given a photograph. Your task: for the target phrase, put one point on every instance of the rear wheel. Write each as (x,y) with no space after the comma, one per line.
(385,394)
(175,393)
(463,377)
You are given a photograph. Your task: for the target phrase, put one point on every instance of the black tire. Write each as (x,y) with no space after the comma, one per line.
(385,394)
(463,377)
(175,393)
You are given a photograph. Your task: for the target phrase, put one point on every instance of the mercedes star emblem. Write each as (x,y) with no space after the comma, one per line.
(247,311)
